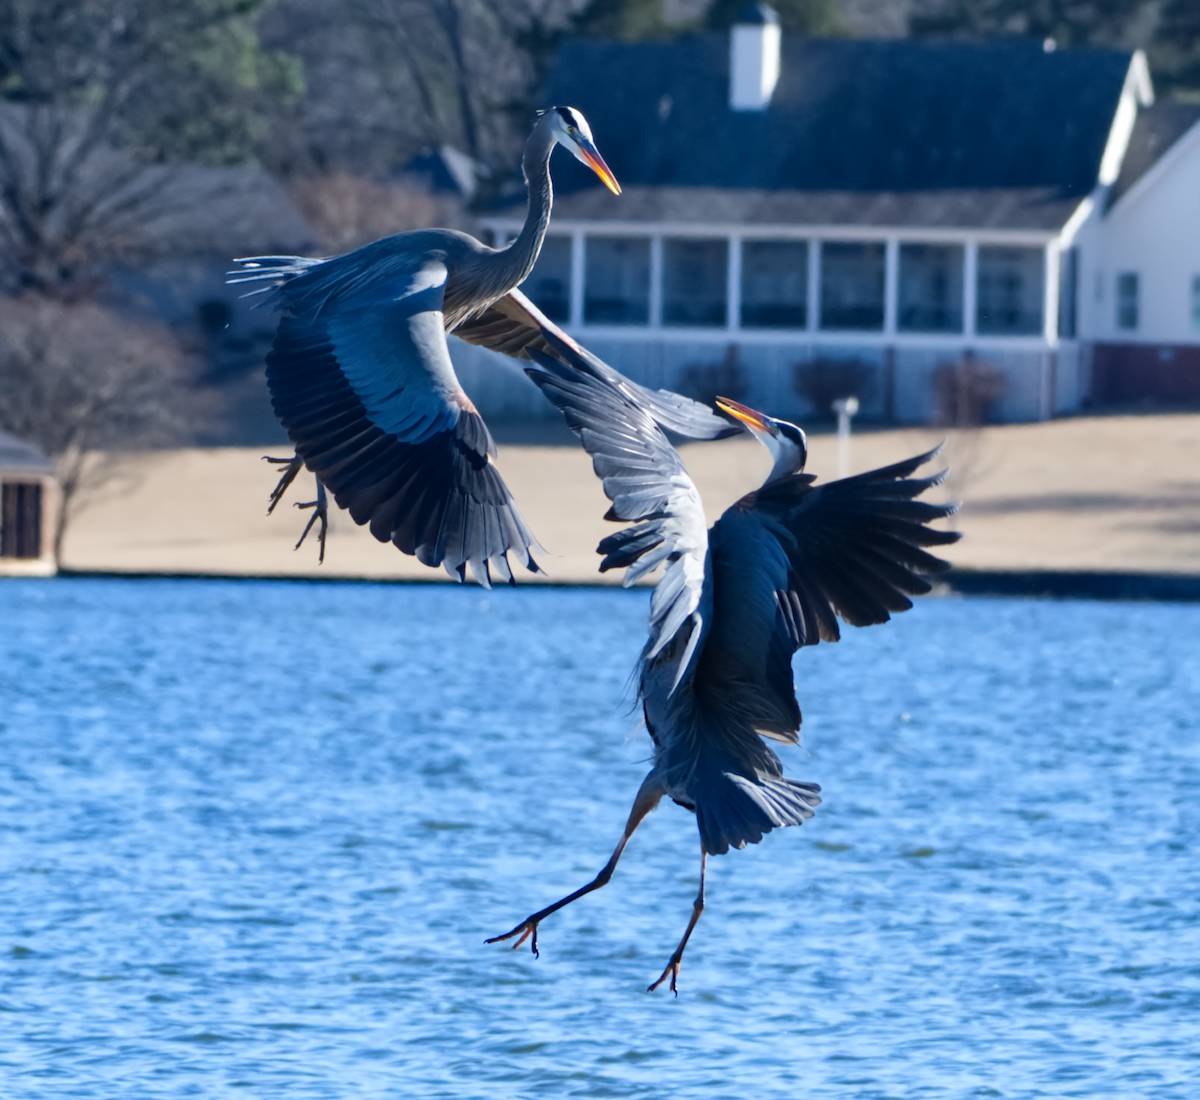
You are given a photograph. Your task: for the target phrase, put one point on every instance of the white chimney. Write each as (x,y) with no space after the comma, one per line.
(754,58)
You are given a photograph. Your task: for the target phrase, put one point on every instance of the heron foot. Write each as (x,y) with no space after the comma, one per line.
(292,466)
(526,928)
(673,970)
(320,508)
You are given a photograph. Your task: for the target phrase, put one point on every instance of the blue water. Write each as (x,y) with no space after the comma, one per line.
(254,835)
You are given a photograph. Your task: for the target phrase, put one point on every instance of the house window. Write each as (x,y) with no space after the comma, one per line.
(1068,293)
(549,284)
(931,288)
(20,520)
(852,285)
(694,282)
(617,281)
(1127,300)
(774,284)
(1196,302)
(1010,291)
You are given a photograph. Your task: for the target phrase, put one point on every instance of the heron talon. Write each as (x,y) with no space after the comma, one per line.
(293,466)
(673,970)
(320,508)
(526,929)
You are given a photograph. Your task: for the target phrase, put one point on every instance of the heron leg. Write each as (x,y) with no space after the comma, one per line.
(677,958)
(320,508)
(292,466)
(647,798)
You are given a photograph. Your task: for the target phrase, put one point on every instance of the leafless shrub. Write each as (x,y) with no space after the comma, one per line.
(824,380)
(77,379)
(347,211)
(708,381)
(966,390)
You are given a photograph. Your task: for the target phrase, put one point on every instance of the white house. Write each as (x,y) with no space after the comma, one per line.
(1137,254)
(899,204)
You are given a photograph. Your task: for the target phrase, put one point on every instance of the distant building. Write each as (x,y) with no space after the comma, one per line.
(28,507)
(891,205)
(1136,256)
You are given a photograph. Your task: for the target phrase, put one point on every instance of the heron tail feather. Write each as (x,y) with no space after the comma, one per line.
(733,809)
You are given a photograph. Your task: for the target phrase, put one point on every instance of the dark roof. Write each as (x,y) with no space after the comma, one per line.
(1157,128)
(18,456)
(848,116)
(1034,208)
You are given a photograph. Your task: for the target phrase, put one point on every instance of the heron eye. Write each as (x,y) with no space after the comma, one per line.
(571,130)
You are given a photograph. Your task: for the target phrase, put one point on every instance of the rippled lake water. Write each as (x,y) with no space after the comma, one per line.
(254,835)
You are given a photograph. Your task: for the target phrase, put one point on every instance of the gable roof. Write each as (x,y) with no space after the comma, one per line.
(851,118)
(17,456)
(1156,130)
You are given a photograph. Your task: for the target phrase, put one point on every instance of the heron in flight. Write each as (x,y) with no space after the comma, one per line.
(734,603)
(360,374)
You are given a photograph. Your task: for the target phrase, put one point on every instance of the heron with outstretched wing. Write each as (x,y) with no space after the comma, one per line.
(361,377)
(734,603)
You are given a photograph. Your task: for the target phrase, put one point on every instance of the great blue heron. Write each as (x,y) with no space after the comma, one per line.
(734,604)
(361,377)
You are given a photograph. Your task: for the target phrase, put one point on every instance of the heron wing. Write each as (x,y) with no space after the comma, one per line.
(514,326)
(646,481)
(856,547)
(361,378)
(791,558)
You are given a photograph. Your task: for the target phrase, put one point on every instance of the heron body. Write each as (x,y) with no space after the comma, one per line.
(736,601)
(361,377)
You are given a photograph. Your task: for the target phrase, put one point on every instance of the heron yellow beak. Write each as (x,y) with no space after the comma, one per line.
(753,420)
(596,163)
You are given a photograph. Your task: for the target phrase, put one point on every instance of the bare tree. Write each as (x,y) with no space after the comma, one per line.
(93,91)
(346,211)
(77,379)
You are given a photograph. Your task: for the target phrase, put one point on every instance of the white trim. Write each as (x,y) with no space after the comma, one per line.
(1075,222)
(733,285)
(891,285)
(1050,272)
(791,231)
(1182,147)
(656,282)
(578,270)
(797,336)
(970,287)
(1136,92)
(813,304)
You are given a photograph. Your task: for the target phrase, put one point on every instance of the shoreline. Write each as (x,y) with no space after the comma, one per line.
(1030,584)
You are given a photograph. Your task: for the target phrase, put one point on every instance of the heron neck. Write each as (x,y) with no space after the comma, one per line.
(522,254)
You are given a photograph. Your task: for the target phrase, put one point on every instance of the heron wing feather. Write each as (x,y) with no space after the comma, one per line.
(646,481)
(513,325)
(361,378)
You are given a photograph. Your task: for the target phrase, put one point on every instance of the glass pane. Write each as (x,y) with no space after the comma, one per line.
(549,284)
(931,288)
(775,284)
(21,520)
(852,285)
(617,281)
(694,282)
(1010,291)
(1127,300)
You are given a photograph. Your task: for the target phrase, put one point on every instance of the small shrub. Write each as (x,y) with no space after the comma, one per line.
(966,390)
(823,380)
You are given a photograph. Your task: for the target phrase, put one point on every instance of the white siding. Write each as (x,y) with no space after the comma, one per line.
(1153,231)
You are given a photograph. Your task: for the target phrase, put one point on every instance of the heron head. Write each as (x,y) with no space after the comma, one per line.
(571,130)
(786,442)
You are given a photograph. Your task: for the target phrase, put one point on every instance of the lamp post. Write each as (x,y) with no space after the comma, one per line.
(845,407)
